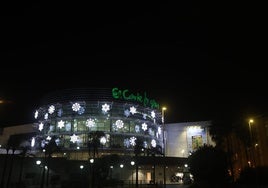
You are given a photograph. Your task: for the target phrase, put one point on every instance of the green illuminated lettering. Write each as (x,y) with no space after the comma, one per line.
(125,94)
(119,94)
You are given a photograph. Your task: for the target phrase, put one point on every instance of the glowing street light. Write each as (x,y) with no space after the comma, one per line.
(92,171)
(249,125)
(38,162)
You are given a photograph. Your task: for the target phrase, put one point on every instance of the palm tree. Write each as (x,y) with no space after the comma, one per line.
(137,151)
(50,148)
(94,142)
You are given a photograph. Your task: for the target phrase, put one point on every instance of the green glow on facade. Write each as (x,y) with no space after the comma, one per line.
(141,98)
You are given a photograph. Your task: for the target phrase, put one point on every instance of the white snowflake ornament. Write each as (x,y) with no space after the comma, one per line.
(105,108)
(61,124)
(74,138)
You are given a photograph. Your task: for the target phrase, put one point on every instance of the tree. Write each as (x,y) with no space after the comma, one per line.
(209,166)
(137,151)
(50,148)
(102,167)
(94,142)
(221,132)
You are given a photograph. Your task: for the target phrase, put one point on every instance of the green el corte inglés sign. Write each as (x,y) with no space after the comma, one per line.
(141,98)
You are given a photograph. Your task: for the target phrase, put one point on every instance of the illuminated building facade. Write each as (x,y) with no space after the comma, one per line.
(78,119)
(89,124)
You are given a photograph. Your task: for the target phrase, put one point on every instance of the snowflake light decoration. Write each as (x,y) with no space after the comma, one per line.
(68,126)
(132,141)
(61,124)
(159,130)
(40,126)
(144,115)
(126,143)
(119,124)
(126,112)
(51,109)
(145,144)
(33,142)
(74,138)
(81,110)
(105,108)
(60,112)
(103,140)
(133,110)
(48,138)
(153,143)
(76,106)
(46,116)
(153,114)
(51,128)
(36,114)
(144,126)
(137,128)
(151,132)
(43,143)
(90,123)
(57,141)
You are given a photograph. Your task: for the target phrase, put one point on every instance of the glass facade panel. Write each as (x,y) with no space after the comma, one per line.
(112,125)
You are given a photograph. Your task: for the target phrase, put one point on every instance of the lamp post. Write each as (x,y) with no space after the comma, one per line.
(252,150)
(164,144)
(250,139)
(250,132)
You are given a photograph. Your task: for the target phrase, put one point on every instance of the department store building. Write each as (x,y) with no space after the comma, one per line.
(86,125)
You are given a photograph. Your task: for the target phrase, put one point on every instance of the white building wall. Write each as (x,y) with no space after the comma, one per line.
(12,130)
(180,137)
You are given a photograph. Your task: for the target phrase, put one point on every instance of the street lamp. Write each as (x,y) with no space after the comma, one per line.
(250,132)
(251,141)
(164,143)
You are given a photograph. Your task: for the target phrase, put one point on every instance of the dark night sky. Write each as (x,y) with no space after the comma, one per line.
(182,54)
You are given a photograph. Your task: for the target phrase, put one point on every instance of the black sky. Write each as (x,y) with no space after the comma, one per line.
(183,54)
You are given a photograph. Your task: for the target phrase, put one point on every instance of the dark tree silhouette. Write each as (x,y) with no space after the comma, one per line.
(220,131)
(50,148)
(94,142)
(209,166)
(102,167)
(138,149)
